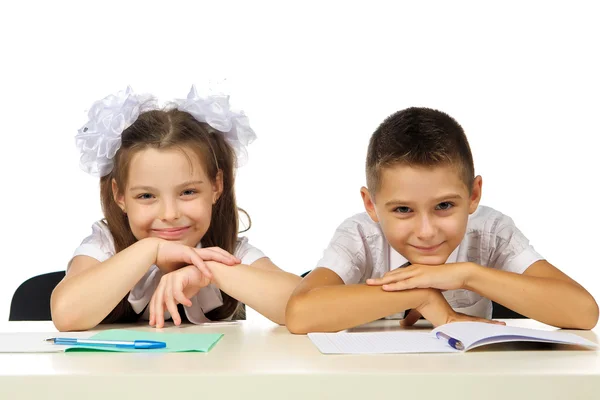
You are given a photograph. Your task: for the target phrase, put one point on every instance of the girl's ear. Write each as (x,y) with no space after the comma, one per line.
(218,186)
(118,196)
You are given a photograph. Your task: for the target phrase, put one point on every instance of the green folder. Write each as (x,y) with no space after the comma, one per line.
(176,342)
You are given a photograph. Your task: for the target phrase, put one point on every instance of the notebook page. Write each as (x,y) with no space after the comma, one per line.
(473,334)
(379,343)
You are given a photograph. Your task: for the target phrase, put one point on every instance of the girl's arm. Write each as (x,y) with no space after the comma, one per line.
(262,286)
(91,289)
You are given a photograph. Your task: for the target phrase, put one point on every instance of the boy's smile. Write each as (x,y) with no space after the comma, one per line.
(423,211)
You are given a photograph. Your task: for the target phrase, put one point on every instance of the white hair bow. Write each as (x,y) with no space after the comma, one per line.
(216,112)
(99,139)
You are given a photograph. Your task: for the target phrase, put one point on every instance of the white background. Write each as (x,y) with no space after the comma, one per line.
(315,80)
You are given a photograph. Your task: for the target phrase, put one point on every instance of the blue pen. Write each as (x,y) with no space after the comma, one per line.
(120,344)
(455,343)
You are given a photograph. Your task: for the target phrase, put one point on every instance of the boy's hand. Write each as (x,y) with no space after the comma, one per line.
(443,277)
(436,310)
(176,287)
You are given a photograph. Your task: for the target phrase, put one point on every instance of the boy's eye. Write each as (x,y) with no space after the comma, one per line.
(144,196)
(446,205)
(402,209)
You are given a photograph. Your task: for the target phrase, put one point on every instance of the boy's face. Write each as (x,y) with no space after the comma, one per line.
(423,212)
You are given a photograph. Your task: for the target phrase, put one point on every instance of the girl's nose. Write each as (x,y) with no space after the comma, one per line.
(170,211)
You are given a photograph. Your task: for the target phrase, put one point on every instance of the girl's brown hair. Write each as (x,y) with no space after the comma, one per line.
(160,129)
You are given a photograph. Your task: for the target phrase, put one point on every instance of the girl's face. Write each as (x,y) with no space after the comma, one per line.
(168,195)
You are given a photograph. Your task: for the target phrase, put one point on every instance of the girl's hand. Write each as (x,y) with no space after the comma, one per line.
(436,310)
(171,256)
(443,277)
(175,288)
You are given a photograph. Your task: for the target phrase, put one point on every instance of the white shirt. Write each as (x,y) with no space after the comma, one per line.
(100,245)
(359,251)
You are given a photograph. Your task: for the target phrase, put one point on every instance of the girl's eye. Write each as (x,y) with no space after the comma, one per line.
(402,210)
(189,192)
(446,205)
(145,196)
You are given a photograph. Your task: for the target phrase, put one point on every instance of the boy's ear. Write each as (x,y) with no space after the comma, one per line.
(119,198)
(218,186)
(475,194)
(369,203)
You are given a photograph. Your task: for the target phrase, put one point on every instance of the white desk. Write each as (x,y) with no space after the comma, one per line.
(259,360)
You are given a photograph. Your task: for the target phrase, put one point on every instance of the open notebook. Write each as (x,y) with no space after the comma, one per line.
(466,335)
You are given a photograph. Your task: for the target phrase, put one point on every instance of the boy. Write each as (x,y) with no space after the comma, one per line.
(425,244)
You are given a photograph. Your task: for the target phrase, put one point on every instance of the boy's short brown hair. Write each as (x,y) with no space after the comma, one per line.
(420,137)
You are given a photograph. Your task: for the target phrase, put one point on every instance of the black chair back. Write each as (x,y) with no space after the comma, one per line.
(31,301)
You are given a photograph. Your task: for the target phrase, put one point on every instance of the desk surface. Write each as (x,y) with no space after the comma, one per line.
(258,359)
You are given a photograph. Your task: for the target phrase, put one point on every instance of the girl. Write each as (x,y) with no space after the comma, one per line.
(171,222)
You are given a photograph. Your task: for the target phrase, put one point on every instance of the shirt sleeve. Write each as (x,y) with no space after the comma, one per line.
(509,248)
(346,254)
(99,244)
(246,252)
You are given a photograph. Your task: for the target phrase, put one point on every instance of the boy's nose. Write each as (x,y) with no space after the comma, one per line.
(425,229)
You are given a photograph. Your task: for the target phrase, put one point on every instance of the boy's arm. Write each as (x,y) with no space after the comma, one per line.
(322,303)
(542,292)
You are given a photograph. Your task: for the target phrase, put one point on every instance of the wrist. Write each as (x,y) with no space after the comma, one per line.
(192,290)
(153,244)
(473,272)
(148,247)
(215,268)
(427,296)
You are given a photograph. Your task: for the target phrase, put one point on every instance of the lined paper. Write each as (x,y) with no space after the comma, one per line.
(379,343)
